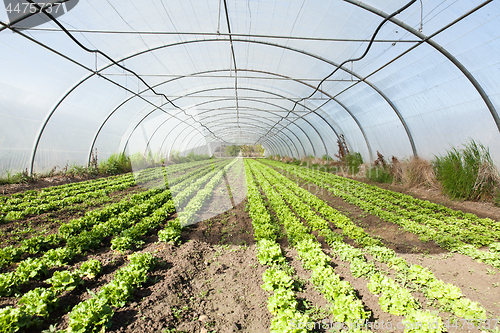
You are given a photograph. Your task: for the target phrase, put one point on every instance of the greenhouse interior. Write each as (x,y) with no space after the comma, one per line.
(250,166)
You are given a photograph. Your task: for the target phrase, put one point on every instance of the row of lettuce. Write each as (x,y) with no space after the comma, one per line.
(291,203)
(454,231)
(125,224)
(20,205)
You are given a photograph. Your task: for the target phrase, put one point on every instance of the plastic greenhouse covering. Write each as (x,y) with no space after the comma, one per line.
(181,76)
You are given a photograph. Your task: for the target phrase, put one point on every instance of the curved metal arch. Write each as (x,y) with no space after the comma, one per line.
(290,140)
(278,95)
(254,127)
(213,40)
(267,147)
(439,48)
(131,133)
(271,142)
(159,126)
(199,91)
(173,143)
(370,152)
(282,148)
(342,105)
(252,89)
(283,97)
(229,131)
(243,115)
(219,144)
(277,150)
(293,133)
(265,92)
(298,81)
(257,101)
(293,79)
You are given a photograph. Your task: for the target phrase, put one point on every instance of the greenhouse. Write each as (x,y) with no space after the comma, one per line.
(250,166)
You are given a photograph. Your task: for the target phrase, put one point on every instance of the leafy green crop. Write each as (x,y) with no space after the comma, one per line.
(393,299)
(447,295)
(275,278)
(64,280)
(9,254)
(90,316)
(269,253)
(96,312)
(38,302)
(345,305)
(12,320)
(31,269)
(423,321)
(171,234)
(8,284)
(90,269)
(282,300)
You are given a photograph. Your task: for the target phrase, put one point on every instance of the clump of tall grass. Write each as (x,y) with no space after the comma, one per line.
(116,164)
(379,174)
(413,172)
(353,161)
(496,201)
(21,177)
(380,171)
(467,173)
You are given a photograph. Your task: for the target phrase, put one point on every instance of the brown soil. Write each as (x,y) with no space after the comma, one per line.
(229,193)
(390,234)
(45,182)
(196,286)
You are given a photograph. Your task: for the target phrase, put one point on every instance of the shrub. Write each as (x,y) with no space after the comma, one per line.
(21,177)
(353,161)
(413,172)
(496,201)
(138,161)
(116,164)
(172,233)
(467,173)
(379,174)
(233,150)
(77,170)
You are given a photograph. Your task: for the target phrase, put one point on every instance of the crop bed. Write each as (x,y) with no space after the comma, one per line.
(243,245)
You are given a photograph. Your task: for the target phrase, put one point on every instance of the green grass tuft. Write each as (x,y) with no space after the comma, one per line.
(379,174)
(353,161)
(467,173)
(116,164)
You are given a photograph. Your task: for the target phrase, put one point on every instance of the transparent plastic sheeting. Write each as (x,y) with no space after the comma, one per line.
(430,81)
